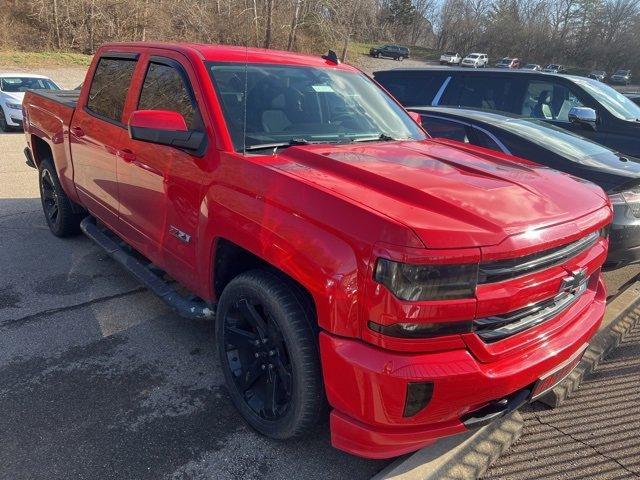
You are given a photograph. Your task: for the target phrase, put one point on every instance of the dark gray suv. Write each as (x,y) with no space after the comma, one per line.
(390,51)
(582,105)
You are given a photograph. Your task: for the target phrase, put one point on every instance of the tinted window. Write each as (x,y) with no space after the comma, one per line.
(22,84)
(482,139)
(164,89)
(548,100)
(110,86)
(411,89)
(479,91)
(441,128)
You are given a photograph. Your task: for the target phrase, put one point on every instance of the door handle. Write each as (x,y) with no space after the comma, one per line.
(77,131)
(126,155)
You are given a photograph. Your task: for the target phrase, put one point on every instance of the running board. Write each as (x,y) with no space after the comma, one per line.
(187,308)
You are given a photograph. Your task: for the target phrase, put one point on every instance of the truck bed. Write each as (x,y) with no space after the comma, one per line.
(68,98)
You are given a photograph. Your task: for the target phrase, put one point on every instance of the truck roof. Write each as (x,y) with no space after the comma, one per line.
(238,54)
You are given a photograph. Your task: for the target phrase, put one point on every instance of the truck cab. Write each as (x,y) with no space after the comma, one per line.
(419,289)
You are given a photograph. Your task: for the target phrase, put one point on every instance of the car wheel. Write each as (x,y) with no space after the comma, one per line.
(3,121)
(57,207)
(400,58)
(268,349)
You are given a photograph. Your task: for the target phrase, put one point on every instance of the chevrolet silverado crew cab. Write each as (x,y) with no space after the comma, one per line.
(420,288)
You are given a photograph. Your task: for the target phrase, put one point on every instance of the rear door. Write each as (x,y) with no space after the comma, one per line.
(486,91)
(161,186)
(96,129)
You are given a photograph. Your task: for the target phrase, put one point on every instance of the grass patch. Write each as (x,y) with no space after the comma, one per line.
(43,59)
(417,53)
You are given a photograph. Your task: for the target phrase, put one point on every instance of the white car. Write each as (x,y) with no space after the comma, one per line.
(475,60)
(450,58)
(12,88)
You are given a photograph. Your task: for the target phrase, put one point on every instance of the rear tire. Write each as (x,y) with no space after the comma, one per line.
(267,343)
(57,207)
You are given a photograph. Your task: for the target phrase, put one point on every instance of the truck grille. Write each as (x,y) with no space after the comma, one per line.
(492,329)
(514,267)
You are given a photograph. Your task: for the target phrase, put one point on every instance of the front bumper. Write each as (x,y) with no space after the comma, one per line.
(367,385)
(14,117)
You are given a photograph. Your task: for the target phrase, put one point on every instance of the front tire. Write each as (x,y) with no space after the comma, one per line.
(268,349)
(4,127)
(57,207)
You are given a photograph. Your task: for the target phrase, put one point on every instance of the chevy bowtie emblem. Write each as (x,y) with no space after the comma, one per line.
(179,234)
(573,281)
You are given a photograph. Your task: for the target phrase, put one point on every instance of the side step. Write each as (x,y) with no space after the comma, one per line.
(188,308)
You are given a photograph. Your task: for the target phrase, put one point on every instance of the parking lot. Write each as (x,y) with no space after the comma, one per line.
(99,379)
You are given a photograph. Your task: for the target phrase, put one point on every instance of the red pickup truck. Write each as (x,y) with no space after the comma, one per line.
(421,289)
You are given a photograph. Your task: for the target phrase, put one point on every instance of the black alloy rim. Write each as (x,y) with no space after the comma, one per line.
(49,197)
(258,359)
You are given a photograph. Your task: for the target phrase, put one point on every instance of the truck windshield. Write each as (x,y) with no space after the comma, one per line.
(617,103)
(22,84)
(293,105)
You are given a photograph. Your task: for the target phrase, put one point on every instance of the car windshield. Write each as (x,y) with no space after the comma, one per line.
(597,72)
(553,67)
(505,61)
(556,139)
(450,54)
(616,103)
(622,72)
(473,55)
(274,104)
(530,65)
(22,84)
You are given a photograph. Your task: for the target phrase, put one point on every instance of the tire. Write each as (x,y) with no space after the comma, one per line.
(3,122)
(57,207)
(400,58)
(275,354)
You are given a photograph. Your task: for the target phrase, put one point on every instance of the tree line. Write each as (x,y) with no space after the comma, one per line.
(586,33)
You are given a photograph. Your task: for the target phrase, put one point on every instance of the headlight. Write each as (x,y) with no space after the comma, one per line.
(14,106)
(427,282)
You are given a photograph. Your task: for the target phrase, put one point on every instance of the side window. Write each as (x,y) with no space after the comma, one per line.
(548,100)
(110,86)
(412,90)
(164,89)
(479,91)
(484,140)
(441,128)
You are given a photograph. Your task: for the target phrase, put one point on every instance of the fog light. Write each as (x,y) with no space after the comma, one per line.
(418,396)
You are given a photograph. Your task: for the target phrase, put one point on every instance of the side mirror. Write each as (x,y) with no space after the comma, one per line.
(583,116)
(163,127)
(416,117)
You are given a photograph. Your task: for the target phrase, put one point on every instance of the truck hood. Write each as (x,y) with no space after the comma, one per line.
(450,195)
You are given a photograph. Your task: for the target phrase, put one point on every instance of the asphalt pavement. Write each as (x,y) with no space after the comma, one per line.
(100,380)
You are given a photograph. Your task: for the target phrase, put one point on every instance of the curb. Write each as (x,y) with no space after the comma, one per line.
(468,455)
(463,456)
(619,318)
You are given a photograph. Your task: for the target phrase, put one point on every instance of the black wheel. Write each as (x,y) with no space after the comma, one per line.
(268,350)
(3,122)
(58,210)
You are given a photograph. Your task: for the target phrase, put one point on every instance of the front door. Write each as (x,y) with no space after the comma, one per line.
(161,186)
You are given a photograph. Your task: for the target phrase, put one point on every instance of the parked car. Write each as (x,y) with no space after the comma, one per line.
(599,75)
(554,68)
(475,60)
(621,77)
(450,58)
(390,51)
(12,89)
(604,115)
(344,256)
(535,140)
(532,66)
(507,62)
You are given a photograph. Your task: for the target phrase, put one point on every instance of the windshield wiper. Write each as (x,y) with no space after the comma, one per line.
(383,137)
(273,146)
